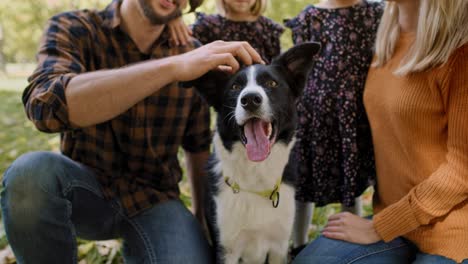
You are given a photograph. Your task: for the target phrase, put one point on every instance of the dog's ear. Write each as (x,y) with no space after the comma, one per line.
(297,62)
(210,87)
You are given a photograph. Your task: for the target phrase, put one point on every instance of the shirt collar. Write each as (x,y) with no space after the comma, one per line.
(111,14)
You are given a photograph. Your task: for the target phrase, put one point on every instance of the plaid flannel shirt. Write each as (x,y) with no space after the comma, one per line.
(134,155)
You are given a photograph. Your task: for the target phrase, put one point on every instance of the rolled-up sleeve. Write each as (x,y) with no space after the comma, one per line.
(59,60)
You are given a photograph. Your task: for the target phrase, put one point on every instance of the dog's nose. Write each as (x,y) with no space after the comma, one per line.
(251,101)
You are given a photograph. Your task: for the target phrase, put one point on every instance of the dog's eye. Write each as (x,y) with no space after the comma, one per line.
(271,84)
(236,87)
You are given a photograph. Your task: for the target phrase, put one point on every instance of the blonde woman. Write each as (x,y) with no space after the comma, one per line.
(240,20)
(416,98)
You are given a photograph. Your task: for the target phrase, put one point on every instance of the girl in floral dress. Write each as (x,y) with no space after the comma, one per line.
(238,20)
(334,143)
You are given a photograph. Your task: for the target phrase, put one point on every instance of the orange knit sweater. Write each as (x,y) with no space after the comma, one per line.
(420,132)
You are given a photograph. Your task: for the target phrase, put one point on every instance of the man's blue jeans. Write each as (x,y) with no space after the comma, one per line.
(48,200)
(399,251)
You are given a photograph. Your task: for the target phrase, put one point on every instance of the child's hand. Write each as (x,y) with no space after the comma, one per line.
(180,33)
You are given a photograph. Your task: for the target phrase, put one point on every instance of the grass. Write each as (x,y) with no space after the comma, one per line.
(18,136)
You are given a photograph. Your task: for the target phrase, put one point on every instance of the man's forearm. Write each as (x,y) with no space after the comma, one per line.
(99,96)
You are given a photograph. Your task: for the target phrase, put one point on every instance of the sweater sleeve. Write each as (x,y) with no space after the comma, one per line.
(447,186)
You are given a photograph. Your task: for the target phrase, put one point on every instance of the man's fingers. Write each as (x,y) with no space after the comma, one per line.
(253,53)
(234,48)
(226,60)
(225,68)
(242,50)
(243,55)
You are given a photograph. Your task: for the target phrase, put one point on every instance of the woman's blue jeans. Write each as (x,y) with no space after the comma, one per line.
(48,200)
(399,251)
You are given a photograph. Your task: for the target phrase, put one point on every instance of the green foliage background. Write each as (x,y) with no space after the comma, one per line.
(23,21)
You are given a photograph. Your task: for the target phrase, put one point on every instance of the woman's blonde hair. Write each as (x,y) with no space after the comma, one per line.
(442,28)
(257,9)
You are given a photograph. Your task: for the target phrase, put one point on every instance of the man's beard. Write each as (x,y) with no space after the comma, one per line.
(154,18)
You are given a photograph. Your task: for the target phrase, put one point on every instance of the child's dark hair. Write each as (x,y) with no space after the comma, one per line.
(194,4)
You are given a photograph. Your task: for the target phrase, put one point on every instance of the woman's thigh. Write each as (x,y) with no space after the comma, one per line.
(331,251)
(423,258)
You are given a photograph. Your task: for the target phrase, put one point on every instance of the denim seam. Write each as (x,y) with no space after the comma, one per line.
(65,192)
(138,229)
(83,186)
(70,223)
(73,231)
(373,253)
(146,241)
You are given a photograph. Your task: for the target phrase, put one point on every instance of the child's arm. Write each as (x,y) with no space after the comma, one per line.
(180,32)
(275,42)
(206,28)
(300,27)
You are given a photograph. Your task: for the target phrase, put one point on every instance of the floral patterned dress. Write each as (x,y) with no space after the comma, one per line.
(262,34)
(334,143)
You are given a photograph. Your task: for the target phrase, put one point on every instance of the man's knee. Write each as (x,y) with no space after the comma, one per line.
(32,170)
(27,182)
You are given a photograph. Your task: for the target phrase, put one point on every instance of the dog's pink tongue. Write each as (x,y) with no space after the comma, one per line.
(258,145)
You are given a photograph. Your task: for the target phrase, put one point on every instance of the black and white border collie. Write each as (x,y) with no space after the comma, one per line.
(251,203)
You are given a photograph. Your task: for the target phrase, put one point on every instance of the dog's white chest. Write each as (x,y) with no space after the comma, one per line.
(250,227)
(241,211)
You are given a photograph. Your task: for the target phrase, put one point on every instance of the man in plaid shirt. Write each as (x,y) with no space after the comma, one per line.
(107,82)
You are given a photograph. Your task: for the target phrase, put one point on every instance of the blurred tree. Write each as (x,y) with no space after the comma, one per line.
(23,21)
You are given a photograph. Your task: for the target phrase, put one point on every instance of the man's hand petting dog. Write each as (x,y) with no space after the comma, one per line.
(219,55)
(351,228)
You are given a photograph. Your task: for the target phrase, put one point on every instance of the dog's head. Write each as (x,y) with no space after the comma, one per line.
(256,105)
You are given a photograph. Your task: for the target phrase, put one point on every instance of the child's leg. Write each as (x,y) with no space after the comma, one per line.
(356,209)
(304,213)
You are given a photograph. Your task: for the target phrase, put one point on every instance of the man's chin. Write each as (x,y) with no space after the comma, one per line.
(162,20)
(154,18)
